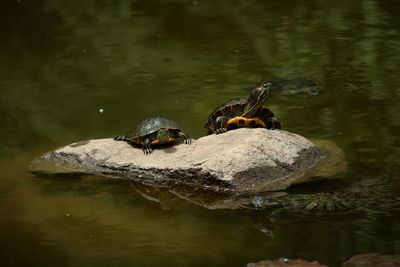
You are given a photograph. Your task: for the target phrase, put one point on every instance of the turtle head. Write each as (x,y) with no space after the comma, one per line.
(163,136)
(257,97)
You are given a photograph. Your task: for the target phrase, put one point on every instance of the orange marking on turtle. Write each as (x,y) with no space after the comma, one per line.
(239,121)
(259,122)
(170,140)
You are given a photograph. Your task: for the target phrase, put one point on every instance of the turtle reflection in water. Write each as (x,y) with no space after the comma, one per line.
(319,203)
(322,203)
(154,131)
(381,199)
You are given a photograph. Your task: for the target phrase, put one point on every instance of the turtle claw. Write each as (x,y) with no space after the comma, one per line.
(146,147)
(119,137)
(147,151)
(185,138)
(221,130)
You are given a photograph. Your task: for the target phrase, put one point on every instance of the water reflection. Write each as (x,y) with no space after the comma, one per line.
(62,61)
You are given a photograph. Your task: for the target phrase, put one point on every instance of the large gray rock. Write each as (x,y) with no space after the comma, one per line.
(243,160)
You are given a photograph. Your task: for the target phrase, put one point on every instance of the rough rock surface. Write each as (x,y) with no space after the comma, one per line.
(243,160)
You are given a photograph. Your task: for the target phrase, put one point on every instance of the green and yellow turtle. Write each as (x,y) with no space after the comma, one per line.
(244,112)
(152,132)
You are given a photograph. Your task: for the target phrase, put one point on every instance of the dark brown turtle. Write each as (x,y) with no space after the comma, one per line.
(244,112)
(154,131)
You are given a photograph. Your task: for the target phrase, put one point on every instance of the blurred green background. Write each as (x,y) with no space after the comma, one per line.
(63,61)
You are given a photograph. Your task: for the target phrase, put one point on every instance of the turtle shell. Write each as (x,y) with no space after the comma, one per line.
(149,127)
(233,109)
(230,109)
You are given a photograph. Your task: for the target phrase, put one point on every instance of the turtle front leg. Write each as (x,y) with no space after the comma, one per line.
(185,138)
(273,123)
(147,147)
(220,123)
(119,137)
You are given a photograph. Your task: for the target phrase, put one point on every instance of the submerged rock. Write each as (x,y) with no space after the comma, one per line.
(284,262)
(373,260)
(240,161)
(295,85)
(292,84)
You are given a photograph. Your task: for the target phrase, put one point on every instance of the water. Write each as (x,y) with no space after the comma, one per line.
(77,70)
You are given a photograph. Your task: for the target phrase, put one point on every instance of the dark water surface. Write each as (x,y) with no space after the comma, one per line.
(63,61)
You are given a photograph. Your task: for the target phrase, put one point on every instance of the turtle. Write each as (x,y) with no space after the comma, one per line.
(154,131)
(244,112)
